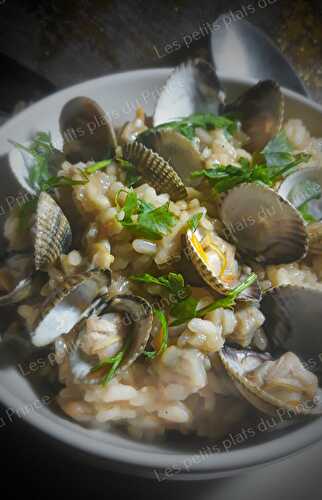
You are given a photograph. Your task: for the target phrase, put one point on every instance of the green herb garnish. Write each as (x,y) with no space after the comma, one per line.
(174,282)
(152,223)
(187,126)
(43,152)
(187,309)
(194,221)
(132,177)
(278,162)
(306,214)
(164,335)
(112,363)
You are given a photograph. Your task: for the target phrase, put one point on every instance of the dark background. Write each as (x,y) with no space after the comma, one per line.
(71,41)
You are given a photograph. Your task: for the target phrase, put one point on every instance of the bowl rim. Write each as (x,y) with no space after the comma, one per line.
(141,461)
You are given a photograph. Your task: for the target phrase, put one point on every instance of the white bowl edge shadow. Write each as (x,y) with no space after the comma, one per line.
(120,94)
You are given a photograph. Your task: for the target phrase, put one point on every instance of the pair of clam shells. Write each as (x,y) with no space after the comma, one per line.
(52,236)
(293,324)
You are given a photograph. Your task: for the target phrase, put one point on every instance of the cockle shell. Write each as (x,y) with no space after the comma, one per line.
(155,170)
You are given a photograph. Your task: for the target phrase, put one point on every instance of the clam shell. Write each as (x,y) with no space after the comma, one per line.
(86,130)
(53,233)
(293,320)
(177,150)
(253,293)
(66,305)
(27,282)
(261,113)
(155,170)
(290,188)
(20,292)
(193,87)
(238,363)
(263,225)
(139,317)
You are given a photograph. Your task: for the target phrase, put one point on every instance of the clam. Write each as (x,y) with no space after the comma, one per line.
(193,87)
(263,225)
(86,130)
(214,260)
(260,111)
(16,279)
(53,235)
(20,276)
(293,320)
(64,307)
(273,386)
(176,149)
(304,187)
(155,170)
(124,320)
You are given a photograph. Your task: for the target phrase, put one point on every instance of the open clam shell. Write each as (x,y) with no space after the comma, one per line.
(193,87)
(239,364)
(53,234)
(198,257)
(261,113)
(293,321)
(263,225)
(18,281)
(65,306)
(86,130)
(137,316)
(305,186)
(155,169)
(177,150)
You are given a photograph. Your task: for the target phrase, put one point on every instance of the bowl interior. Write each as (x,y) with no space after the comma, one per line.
(120,95)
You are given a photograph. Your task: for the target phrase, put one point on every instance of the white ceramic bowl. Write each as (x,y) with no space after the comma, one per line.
(119,95)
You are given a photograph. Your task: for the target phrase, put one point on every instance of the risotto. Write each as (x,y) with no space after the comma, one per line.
(167,263)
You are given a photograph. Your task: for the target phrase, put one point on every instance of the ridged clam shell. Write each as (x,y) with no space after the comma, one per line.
(238,363)
(193,87)
(253,293)
(19,293)
(62,309)
(261,113)
(177,150)
(155,170)
(53,232)
(293,320)
(291,189)
(86,130)
(139,317)
(263,225)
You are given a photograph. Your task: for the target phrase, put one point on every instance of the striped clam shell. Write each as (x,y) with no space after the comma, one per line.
(263,225)
(139,317)
(293,320)
(53,234)
(192,87)
(177,150)
(86,130)
(261,113)
(155,170)
(306,184)
(238,363)
(253,293)
(63,308)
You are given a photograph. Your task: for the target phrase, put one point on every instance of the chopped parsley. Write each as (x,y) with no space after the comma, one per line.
(162,339)
(132,177)
(187,126)
(187,309)
(194,221)
(301,195)
(111,363)
(276,162)
(174,282)
(150,222)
